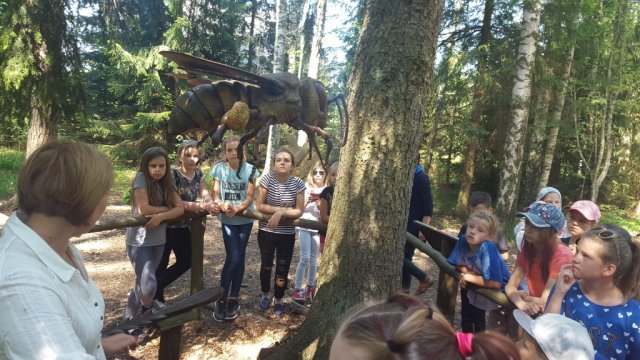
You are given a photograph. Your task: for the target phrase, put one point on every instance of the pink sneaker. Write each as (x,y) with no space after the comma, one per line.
(310,293)
(299,295)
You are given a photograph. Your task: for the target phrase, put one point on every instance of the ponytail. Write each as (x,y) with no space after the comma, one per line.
(403,327)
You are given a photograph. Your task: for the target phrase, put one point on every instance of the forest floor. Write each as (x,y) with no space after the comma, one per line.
(106,261)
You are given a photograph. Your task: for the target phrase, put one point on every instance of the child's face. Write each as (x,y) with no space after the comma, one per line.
(478,231)
(231,151)
(532,234)
(333,174)
(283,163)
(578,224)
(481,207)
(189,157)
(587,262)
(318,176)
(157,168)
(553,199)
(529,349)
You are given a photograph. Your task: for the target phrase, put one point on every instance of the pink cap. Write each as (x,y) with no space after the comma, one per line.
(587,208)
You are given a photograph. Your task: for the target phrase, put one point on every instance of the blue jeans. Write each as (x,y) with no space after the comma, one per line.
(309,249)
(235,239)
(409,268)
(145,260)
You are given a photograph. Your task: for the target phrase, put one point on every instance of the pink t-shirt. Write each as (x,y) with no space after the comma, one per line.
(561,256)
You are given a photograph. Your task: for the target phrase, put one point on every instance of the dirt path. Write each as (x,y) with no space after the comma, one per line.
(106,261)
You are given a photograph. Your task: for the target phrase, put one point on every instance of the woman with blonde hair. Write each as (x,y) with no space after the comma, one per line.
(50,306)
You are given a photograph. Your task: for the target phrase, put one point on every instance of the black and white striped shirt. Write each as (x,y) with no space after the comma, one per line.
(281,195)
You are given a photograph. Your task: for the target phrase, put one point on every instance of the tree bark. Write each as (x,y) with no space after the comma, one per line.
(316,44)
(477,111)
(520,96)
(279,65)
(390,85)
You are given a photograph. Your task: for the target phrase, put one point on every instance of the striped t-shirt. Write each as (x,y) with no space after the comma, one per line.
(281,195)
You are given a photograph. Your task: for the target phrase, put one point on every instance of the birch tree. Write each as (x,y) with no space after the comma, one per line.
(279,65)
(520,96)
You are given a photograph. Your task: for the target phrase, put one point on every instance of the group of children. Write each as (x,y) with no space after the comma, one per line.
(586,273)
(160,193)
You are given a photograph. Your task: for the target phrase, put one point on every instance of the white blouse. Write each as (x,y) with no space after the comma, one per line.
(48,309)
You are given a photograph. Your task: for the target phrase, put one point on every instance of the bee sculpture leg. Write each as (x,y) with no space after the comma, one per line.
(248,136)
(311,133)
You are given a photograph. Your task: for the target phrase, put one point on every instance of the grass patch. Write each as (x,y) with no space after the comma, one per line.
(615,215)
(10,164)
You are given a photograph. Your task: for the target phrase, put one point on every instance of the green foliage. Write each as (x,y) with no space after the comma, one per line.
(10,164)
(615,215)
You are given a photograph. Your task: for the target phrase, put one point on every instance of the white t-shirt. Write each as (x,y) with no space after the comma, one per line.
(50,310)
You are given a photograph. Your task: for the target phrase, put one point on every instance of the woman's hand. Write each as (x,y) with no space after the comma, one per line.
(274,220)
(119,343)
(463,281)
(212,208)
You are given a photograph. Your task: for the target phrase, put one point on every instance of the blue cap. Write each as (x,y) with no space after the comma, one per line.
(544,215)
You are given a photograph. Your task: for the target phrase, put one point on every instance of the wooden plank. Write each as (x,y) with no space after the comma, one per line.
(494,295)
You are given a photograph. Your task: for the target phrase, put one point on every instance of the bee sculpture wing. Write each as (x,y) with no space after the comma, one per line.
(200,67)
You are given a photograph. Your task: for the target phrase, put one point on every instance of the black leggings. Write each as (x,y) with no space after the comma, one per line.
(282,246)
(178,240)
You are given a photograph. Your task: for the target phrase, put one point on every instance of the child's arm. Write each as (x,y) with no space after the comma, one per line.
(207,203)
(516,296)
(172,213)
(505,255)
(479,280)
(142,203)
(562,285)
(292,212)
(232,210)
(324,210)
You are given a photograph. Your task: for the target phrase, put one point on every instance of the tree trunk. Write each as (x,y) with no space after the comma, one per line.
(534,146)
(477,111)
(302,136)
(316,44)
(252,27)
(520,96)
(42,124)
(390,85)
(279,55)
(556,116)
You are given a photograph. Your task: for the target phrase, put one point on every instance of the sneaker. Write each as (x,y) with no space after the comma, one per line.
(424,286)
(278,310)
(300,295)
(310,293)
(233,308)
(219,310)
(264,303)
(158,305)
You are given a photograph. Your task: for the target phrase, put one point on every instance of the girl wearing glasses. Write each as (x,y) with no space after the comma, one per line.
(597,290)
(281,195)
(310,239)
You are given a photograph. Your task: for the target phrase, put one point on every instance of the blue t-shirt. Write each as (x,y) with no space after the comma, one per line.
(233,189)
(487,262)
(614,330)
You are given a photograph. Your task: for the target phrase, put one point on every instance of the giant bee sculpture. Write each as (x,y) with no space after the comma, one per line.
(249,103)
